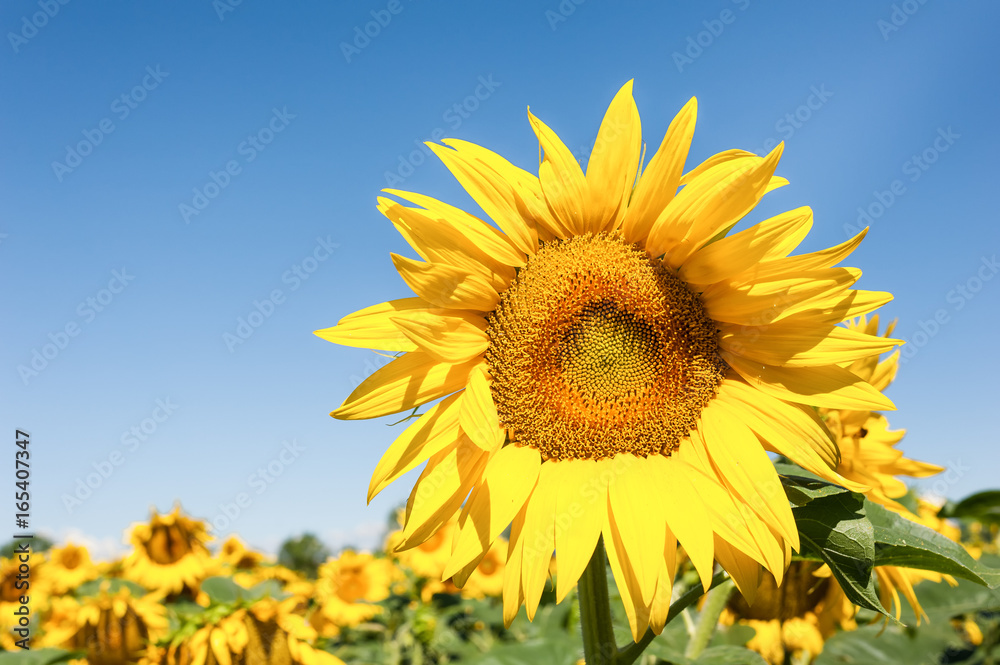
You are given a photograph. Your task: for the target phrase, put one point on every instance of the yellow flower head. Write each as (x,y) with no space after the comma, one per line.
(170,553)
(234,553)
(113,628)
(267,633)
(869,456)
(611,361)
(796,618)
(68,567)
(348,585)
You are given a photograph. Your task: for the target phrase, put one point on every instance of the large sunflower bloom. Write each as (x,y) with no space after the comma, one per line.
(611,363)
(170,553)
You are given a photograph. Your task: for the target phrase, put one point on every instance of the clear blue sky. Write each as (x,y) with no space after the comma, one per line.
(117,114)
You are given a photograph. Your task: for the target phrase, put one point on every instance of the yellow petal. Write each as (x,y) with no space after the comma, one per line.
(763,303)
(746,573)
(793,430)
(658,184)
(408,381)
(433,431)
(689,520)
(633,495)
(745,467)
(493,194)
(581,508)
(527,190)
(713,201)
(538,533)
(832,387)
(441,241)
(513,591)
(738,253)
(730,518)
(492,242)
(628,585)
(371,327)
(715,160)
(450,339)
(790,265)
(220,647)
(439,492)
(790,345)
(478,415)
(562,180)
(660,608)
(509,478)
(853,303)
(613,162)
(446,286)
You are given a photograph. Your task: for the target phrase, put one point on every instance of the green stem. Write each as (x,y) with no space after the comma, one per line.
(629,654)
(595,611)
(715,602)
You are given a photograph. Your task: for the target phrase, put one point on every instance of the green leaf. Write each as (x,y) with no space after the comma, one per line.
(900,542)
(113,586)
(38,656)
(729,655)
(222,590)
(982,507)
(834,529)
(803,489)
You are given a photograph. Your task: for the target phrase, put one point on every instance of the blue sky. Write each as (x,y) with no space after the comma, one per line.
(170,169)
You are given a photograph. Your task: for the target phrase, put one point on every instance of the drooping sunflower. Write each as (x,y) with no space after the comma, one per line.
(113,628)
(611,361)
(267,633)
(169,553)
(793,621)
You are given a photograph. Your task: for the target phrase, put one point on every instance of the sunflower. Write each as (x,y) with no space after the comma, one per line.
(113,628)
(869,455)
(266,633)
(170,553)
(348,586)
(68,567)
(611,361)
(867,445)
(14,585)
(794,620)
(234,553)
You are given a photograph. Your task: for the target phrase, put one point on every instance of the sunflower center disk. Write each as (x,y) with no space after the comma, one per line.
(596,349)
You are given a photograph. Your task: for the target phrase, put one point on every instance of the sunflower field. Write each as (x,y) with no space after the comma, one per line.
(177,598)
(611,383)
(631,402)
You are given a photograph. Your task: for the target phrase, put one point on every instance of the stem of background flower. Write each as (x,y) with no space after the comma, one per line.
(715,602)
(595,611)
(629,654)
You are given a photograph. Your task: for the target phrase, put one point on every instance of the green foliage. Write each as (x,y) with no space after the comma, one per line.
(982,507)
(834,529)
(38,657)
(36,543)
(304,554)
(110,585)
